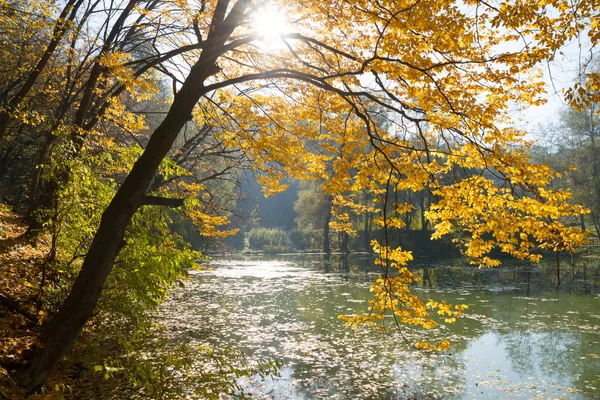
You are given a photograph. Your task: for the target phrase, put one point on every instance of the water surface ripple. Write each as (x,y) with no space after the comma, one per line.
(522,337)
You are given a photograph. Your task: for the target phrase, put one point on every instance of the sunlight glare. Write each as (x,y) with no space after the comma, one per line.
(270,23)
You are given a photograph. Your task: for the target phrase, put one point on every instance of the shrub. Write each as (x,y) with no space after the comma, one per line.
(260,238)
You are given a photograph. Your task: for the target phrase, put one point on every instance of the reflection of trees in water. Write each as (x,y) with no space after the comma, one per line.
(521,352)
(326,262)
(546,330)
(364,363)
(344,264)
(427,278)
(556,351)
(360,266)
(555,354)
(518,276)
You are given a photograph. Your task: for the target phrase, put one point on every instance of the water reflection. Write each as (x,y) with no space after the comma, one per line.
(522,337)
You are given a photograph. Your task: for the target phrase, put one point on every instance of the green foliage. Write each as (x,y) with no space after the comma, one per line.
(313,210)
(312,206)
(73,219)
(152,257)
(59,392)
(184,228)
(236,241)
(151,261)
(269,239)
(307,238)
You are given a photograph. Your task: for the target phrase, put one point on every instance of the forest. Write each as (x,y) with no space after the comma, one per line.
(141,139)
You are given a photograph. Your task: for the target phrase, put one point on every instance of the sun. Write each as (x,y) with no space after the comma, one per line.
(270,23)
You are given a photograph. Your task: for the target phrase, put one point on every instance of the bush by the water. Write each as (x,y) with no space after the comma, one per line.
(269,238)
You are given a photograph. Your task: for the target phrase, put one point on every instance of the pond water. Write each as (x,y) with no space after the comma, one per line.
(522,337)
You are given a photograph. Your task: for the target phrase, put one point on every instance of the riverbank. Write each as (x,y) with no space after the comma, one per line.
(114,357)
(22,314)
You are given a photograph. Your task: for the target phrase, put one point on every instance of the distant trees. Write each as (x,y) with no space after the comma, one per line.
(580,146)
(571,145)
(313,210)
(270,240)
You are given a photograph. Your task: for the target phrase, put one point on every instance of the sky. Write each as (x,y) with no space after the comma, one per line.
(560,74)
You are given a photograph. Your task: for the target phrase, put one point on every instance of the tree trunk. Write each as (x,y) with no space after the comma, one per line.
(37,172)
(595,222)
(47,202)
(345,240)
(426,278)
(326,245)
(60,333)
(366,235)
(423,218)
(47,198)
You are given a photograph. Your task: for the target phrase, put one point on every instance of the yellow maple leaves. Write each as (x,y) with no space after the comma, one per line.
(392,296)
(518,217)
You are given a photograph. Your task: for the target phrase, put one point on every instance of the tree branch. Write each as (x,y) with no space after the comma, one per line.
(162,201)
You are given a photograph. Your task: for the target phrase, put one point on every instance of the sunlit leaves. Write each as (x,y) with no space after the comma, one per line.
(484,216)
(392,296)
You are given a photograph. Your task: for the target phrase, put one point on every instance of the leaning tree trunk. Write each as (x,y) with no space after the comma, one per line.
(60,333)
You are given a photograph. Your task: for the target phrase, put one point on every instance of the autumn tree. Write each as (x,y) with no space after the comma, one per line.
(17,91)
(449,72)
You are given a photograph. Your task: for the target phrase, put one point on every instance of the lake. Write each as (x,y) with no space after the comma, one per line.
(522,336)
